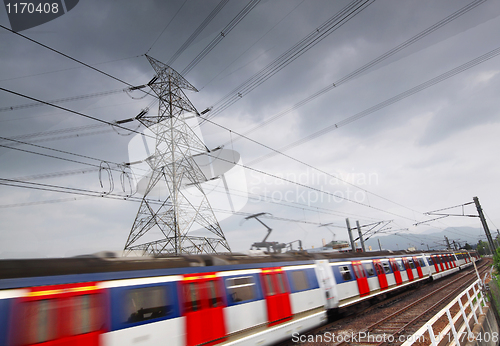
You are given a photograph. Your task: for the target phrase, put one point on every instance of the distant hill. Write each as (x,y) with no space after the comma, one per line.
(429,239)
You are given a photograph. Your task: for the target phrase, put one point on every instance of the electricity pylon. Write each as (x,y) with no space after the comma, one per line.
(173,166)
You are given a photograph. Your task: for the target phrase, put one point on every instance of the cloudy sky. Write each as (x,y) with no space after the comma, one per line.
(397,155)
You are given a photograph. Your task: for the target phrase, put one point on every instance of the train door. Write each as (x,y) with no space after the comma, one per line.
(277,295)
(361,279)
(419,269)
(397,273)
(326,282)
(443,261)
(446,261)
(450,260)
(409,271)
(440,261)
(436,263)
(62,315)
(382,279)
(203,309)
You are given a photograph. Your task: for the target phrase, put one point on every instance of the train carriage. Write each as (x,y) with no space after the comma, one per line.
(241,300)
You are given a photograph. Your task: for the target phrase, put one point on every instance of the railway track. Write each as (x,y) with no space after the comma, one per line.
(401,317)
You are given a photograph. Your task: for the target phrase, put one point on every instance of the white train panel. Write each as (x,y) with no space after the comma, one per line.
(271,335)
(171,332)
(255,313)
(347,290)
(306,300)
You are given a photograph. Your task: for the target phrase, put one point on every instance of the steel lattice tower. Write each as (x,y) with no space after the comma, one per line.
(173,165)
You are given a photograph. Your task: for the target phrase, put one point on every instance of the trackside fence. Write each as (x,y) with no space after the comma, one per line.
(454,323)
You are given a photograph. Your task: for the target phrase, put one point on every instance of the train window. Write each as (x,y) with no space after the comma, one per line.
(86,314)
(299,280)
(387,269)
(394,266)
(214,299)
(431,262)
(421,261)
(401,266)
(269,285)
(369,269)
(241,289)
(346,273)
(192,297)
(151,302)
(281,282)
(358,271)
(411,264)
(39,321)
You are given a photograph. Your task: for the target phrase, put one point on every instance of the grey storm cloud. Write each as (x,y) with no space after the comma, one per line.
(427,150)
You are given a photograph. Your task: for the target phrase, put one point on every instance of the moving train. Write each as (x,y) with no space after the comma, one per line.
(197,300)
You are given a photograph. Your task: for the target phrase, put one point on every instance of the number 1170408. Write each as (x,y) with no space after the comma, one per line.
(28,7)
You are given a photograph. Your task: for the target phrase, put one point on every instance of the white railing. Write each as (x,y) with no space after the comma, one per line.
(438,327)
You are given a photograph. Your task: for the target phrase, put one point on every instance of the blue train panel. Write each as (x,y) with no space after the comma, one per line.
(137,305)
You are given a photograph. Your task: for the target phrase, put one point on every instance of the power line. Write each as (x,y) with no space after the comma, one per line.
(67,56)
(385,103)
(307,165)
(224,32)
(323,31)
(91,193)
(66,99)
(75,112)
(372,63)
(210,81)
(198,31)
(296,205)
(67,69)
(168,24)
(307,187)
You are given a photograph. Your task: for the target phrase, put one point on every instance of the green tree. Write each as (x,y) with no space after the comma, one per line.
(467,246)
(496,260)
(481,247)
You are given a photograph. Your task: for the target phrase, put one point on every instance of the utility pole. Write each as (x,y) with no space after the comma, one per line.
(379,246)
(448,246)
(360,236)
(349,230)
(485,225)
